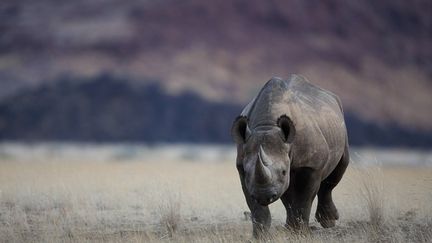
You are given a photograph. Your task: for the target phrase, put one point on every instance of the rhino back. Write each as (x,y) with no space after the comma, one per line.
(317,116)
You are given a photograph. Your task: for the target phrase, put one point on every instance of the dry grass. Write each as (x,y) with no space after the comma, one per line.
(372,191)
(65,199)
(170,213)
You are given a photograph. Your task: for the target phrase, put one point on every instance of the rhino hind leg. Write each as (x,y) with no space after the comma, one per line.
(327,213)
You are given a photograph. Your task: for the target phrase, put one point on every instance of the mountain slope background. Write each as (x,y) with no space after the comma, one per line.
(376,55)
(107,109)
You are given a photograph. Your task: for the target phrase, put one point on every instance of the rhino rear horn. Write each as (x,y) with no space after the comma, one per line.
(240,130)
(265,159)
(287,126)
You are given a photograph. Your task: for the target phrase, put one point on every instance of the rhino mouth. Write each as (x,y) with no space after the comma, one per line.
(265,199)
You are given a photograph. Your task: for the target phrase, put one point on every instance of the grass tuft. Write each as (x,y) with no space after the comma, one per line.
(170,217)
(371,188)
(372,191)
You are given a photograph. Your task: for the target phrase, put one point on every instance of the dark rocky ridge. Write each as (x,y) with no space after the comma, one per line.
(107,109)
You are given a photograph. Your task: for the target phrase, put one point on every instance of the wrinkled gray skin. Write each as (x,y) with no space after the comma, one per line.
(291,145)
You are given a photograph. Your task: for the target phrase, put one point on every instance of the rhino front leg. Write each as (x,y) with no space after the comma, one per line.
(298,198)
(261,220)
(260,215)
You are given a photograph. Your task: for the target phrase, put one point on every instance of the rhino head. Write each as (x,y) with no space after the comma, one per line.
(263,159)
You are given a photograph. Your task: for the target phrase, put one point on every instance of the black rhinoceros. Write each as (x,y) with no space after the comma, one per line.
(292,144)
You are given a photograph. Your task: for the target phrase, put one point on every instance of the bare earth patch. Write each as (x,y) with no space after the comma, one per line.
(74,199)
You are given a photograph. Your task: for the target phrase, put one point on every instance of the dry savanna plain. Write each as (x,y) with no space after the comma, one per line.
(129,193)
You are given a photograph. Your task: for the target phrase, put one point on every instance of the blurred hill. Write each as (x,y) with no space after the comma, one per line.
(108,109)
(376,55)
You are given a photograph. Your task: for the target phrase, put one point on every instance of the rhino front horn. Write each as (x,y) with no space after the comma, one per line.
(262,172)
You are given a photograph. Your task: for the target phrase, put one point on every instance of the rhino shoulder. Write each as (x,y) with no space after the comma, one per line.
(305,89)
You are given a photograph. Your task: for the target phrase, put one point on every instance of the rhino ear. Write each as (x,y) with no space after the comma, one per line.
(240,129)
(287,127)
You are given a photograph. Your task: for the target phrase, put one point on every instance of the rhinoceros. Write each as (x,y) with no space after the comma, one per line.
(292,145)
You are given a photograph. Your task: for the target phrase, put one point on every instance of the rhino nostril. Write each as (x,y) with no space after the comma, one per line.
(273,197)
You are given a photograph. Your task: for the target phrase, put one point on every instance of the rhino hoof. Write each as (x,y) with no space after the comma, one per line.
(327,216)
(328,223)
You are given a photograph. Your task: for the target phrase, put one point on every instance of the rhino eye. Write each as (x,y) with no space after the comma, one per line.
(284,172)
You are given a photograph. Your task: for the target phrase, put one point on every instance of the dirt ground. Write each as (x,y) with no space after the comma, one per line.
(55,198)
